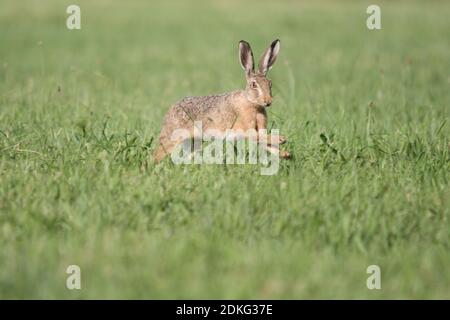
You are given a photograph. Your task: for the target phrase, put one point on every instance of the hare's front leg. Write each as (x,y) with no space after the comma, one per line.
(271,141)
(261,123)
(274,150)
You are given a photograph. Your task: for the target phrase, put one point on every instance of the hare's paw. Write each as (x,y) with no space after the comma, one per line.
(281,139)
(276,139)
(285,155)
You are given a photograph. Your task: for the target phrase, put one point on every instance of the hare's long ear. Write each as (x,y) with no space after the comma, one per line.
(269,56)
(246,57)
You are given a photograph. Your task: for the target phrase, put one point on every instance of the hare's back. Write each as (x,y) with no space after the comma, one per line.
(197,108)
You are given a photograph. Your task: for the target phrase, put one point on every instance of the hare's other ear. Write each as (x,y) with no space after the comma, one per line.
(246,57)
(269,56)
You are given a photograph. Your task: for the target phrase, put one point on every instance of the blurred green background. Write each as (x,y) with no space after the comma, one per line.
(366,114)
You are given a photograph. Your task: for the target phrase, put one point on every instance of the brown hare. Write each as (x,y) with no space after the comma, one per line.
(237,110)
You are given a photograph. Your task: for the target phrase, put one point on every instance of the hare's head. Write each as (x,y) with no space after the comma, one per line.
(258,88)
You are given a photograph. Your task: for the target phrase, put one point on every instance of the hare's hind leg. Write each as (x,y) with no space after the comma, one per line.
(168,147)
(161,153)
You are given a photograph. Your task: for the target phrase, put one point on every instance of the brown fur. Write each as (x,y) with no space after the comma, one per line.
(240,109)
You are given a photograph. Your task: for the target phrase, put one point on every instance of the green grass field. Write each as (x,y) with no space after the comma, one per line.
(366,114)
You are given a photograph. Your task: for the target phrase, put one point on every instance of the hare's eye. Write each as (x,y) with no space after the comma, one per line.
(254,85)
